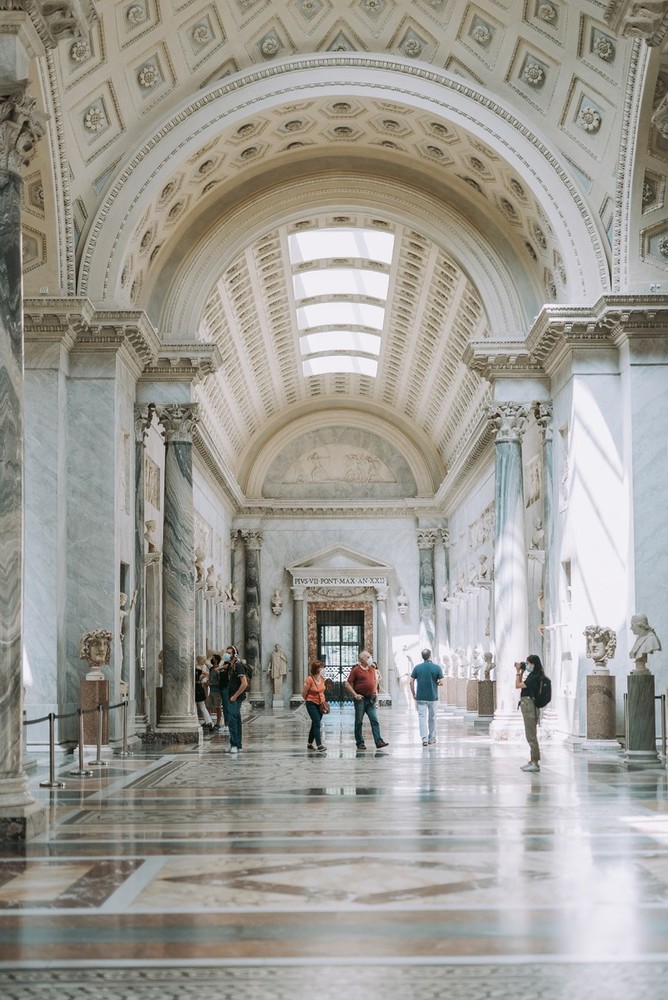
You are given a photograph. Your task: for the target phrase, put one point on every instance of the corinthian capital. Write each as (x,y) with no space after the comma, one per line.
(143,420)
(253,539)
(21,127)
(426,538)
(543,414)
(178,420)
(508,420)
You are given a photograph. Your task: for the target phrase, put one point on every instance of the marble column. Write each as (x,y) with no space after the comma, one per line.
(510,574)
(445,644)
(20,129)
(382,652)
(298,628)
(426,540)
(178,721)
(543,415)
(253,608)
(143,419)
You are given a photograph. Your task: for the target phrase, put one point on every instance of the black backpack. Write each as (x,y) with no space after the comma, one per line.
(248,670)
(543,695)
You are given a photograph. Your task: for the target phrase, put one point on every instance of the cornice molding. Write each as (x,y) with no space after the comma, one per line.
(51,21)
(646,19)
(183,362)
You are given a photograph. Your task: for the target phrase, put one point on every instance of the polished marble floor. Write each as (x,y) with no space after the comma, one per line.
(435,872)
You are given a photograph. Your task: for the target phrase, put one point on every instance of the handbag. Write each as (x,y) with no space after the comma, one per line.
(324,707)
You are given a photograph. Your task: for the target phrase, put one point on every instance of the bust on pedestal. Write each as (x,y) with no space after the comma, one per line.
(640,713)
(95,647)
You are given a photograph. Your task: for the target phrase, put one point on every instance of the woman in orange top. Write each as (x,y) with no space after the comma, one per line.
(313,694)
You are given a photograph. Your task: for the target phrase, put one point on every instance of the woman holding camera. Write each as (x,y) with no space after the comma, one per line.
(527,680)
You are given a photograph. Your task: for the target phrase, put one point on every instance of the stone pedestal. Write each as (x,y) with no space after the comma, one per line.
(640,721)
(460,699)
(92,694)
(485,699)
(601,718)
(450,690)
(472,696)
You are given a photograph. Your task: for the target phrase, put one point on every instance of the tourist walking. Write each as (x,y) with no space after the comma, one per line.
(425,680)
(362,684)
(527,680)
(313,694)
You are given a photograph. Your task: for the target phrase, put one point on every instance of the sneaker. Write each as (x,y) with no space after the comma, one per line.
(361,746)
(379,746)
(431,741)
(425,743)
(216,729)
(310,746)
(233,750)
(322,748)
(531,766)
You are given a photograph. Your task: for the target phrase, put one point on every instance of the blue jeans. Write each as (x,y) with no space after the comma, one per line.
(234,717)
(316,718)
(367,706)
(225,700)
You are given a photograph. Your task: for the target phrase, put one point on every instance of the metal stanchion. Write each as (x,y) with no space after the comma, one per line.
(626,722)
(99,762)
(124,752)
(52,783)
(81,772)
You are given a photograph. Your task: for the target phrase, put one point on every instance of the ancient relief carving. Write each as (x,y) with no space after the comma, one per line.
(338,463)
(533,476)
(152,482)
(21,128)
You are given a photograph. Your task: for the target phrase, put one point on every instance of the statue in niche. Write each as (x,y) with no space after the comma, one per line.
(402,603)
(95,646)
(124,612)
(276,602)
(647,642)
(489,664)
(278,669)
(150,537)
(210,578)
(199,565)
(601,646)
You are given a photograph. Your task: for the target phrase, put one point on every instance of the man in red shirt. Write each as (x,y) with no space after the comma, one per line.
(362,684)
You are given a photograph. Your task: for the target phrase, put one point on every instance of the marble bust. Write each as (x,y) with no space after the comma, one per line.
(95,646)
(402,603)
(647,642)
(601,646)
(276,602)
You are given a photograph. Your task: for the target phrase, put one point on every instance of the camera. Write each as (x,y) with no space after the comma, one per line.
(523,665)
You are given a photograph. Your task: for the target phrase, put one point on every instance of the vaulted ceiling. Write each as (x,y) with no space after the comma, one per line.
(190,139)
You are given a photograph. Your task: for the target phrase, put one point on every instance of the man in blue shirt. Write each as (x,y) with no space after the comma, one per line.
(428,676)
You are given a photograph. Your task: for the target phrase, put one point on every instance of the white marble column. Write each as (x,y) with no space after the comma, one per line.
(298,626)
(19,131)
(510,574)
(179,717)
(143,419)
(426,540)
(382,650)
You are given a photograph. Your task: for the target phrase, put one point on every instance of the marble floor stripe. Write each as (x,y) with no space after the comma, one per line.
(446,872)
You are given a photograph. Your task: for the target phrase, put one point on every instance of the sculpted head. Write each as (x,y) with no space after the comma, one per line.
(95,646)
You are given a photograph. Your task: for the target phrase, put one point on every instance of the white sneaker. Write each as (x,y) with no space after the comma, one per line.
(233,750)
(531,766)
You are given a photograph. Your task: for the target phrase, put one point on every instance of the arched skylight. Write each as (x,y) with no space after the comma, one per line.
(340,283)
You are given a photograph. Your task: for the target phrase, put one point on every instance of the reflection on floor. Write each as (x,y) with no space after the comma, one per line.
(434,872)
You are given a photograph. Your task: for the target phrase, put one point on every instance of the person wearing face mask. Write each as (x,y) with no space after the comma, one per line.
(236,687)
(527,681)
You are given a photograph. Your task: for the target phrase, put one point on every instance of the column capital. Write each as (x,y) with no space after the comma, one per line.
(21,128)
(646,19)
(253,539)
(298,593)
(426,538)
(381,592)
(508,420)
(50,21)
(178,420)
(543,415)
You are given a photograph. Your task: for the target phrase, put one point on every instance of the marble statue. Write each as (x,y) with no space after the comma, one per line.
(488,657)
(278,668)
(276,602)
(211,577)
(150,536)
(463,664)
(124,612)
(601,646)
(402,603)
(95,646)
(647,642)
(199,565)
(478,662)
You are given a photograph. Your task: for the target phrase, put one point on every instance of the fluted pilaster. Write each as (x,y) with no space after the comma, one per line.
(510,575)
(252,605)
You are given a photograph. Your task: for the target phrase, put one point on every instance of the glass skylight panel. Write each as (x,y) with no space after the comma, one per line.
(340,340)
(340,281)
(319,244)
(340,314)
(340,363)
